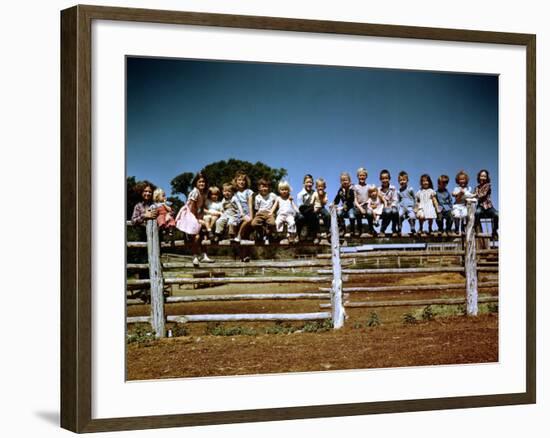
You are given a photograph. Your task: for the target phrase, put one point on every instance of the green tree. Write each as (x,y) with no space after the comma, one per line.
(222,172)
(182,183)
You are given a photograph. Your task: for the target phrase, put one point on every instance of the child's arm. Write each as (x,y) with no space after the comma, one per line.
(251,207)
(357,205)
(383,199)
(275,206)
(434,200)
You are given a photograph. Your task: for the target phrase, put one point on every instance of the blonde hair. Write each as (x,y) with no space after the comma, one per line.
(362,170)
(157,194)
(345,174)
(372,188)
(213,191)
(321,181)
(284,185)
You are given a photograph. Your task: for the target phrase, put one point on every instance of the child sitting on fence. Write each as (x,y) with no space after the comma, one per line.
(264,204)
(361,191)
(426,204)
(461,193)
(213,210)
(306,216)
(230,217)
(244,196)
(390,214)
(142,210)
(445,206)
(375,207)
(286,212)
(406,201)
(346,196)
(485,207)
(190,217)
(165,215)
(320,201)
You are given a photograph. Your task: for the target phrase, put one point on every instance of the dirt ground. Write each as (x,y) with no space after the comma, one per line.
(448,338)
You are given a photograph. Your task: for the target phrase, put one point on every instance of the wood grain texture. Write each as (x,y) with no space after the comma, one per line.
(76,226)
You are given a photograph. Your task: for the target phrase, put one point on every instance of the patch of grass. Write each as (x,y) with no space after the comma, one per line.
(180,330)
(409,318)
(141,335)
(428,313)
(280,329)
(492,307)
(217,329)
(317,326)
(374,320)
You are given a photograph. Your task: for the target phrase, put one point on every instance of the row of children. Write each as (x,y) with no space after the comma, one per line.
(235,209)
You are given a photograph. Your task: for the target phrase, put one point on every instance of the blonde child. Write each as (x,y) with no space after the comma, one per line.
(461,193)
(244,196)
(406,201)
(375,206)
(361,191)
(165,215)
(230,217)
(426,203)
(213,210)
(286,212)
(265,204)
(320,201)
(346,196)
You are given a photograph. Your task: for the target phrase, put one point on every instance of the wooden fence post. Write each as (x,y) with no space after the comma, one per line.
(156,279)
(470,260)
(338,313)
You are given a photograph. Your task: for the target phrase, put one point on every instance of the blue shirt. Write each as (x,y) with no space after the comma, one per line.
(406,197)
(444,199)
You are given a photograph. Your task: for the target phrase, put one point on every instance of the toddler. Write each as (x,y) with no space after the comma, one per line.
(375,206)
(230,217)
(320,200)
(213,210)
(286,212)
(165,214)
(461,192)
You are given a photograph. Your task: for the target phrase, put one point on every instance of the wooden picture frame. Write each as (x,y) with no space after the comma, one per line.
(76,219)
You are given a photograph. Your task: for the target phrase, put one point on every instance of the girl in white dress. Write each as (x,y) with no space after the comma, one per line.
(461,192)
(286,212)
(426,203)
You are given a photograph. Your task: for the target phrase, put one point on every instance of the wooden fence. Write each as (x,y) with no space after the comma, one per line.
(336,268)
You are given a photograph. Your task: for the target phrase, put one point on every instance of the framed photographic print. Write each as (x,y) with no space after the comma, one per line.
(268,218)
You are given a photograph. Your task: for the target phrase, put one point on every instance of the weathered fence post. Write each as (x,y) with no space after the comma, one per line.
(156,279)
(470,260)
(338,313)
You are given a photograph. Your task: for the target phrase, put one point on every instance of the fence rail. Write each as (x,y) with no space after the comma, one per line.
(341,270)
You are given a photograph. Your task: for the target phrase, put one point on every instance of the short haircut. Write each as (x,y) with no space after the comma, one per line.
(428,178)
(403,173)
(345,175)
(462,173)
(157,194)
(263,182)
(362,170)
(284,185)
(479,174)
(308,176)
(321,181)
(242,173)
(443,179)
(384,172)
(213,191)
(229,186)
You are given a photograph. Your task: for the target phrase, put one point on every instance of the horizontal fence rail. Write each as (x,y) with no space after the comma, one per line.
(335,269)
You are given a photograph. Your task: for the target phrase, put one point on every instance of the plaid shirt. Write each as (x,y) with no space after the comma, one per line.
(483,194)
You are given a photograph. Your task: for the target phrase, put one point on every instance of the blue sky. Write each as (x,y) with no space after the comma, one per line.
(185,114)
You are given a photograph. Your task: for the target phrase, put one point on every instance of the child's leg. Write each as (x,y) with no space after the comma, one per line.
(270,223)
(420,226)
(290,224)
(395,220)
(370,220)
(430,225)
(351,216)
(386,217)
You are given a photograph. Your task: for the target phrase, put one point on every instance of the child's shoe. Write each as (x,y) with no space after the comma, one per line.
(206,259)
(196,262)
